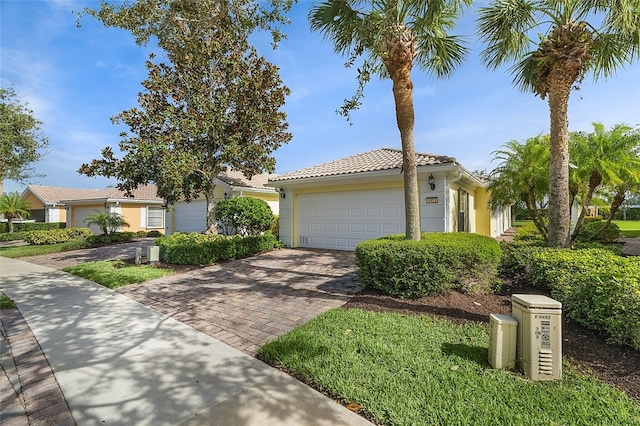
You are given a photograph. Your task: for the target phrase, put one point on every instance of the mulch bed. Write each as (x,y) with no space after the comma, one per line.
(588,350)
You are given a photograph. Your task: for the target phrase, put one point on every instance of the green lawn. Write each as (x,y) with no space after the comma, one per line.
(116,273)
(23,251)
(629,228)
(409,370)
(6,302)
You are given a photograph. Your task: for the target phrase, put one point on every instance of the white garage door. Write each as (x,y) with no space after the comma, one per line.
(191,217)
(79,217)
(340,220)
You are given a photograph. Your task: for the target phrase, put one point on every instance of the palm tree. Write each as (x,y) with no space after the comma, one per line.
(14,207)
(569,47)
(603,158)
(107,222)
(390,35)
(522,176)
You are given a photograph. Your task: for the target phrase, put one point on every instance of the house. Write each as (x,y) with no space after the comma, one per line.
(338,204)
(45,201)
(192,216)
(144,211)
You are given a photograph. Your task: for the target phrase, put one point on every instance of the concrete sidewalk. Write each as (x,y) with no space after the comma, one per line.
(120,362)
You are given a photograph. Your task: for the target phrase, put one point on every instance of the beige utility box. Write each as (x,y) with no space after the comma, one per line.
(153,254)
(502,341)
(539,342)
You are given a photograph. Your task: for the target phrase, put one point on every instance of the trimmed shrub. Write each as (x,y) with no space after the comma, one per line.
(248,246)
(244,216)
(589,230)
(57,236)
(528,232)
(437,262)
(114,237)
(31,226)
(14,236)
(195,249)
(275,226)
(154,234)
(597,288)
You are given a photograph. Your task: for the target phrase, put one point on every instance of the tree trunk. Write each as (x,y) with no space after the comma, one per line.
(10,223)
(618,199)
(594,181)
(212,224)
(559,208)
(399,64)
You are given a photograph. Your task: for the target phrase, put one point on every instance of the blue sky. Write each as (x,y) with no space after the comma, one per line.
(75,79)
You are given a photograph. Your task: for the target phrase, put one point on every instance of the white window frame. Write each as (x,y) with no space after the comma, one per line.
(160,216)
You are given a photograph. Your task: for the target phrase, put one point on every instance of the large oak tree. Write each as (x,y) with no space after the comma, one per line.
(213,103)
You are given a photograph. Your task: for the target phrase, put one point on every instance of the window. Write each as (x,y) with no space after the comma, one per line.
(463,210)
(155,217)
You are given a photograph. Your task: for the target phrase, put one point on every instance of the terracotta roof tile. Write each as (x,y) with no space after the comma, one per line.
(56,194)
(370,161)
(237,178)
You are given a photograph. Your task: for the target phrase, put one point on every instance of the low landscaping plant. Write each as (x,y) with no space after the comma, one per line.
(437,262)
(419,370)
(598,288)
(31,226)
(114,237)
(202,249)
(116,273)
(56,236)
(14,236)
(593,231)
(6,302)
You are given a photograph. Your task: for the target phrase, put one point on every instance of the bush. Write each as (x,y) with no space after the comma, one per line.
(201,249)
(589,230)
(14,236)
(154,234)
(57,236)
(114,237)
(597,288)
(275,226)
(244,216)
(438,261)
(31,226)
(248,246)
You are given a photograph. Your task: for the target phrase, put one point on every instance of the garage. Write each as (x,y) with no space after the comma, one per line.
(79,216)
(190,217)
(341,220)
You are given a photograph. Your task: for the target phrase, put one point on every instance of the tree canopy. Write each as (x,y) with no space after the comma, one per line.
(21,140)
(213,104)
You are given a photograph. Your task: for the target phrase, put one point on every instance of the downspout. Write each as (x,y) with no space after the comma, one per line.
(447,196)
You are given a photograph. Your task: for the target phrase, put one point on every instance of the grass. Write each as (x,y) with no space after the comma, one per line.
(408,370)
(629,228)
(23,251)
(6,302)
(116,273)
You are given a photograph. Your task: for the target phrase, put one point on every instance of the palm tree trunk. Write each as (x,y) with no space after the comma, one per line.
(618,199)
(399,64)
(559,208)
(212,224)
(594,181)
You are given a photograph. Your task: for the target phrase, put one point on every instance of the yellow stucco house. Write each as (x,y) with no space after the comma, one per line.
(192,216)
(338,204)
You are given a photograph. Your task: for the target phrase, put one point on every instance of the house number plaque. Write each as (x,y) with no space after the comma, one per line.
(432,200)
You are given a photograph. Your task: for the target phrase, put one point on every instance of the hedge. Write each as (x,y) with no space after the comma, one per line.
(439,261)
(201,249)
(56,236)
(14,236)
(597,288)
(31,226)
(114,237)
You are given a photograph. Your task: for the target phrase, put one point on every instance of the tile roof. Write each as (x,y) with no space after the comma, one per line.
(370,161)
(55,194)
(237,178)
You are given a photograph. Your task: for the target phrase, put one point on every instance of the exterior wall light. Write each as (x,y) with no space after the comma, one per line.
(282,193)
(432,182)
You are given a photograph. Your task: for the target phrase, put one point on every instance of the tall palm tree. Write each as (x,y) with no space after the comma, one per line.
(574,37)
(522,176)
(14,207)
(604,157)
(390,35)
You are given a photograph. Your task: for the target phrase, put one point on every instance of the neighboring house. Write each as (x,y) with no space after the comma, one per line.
(338,204)
(46,203)
(144,211)
(192,216)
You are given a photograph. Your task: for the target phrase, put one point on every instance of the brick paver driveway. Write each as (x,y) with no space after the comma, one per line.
(247,303)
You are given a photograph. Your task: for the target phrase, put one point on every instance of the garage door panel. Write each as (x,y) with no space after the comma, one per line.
(342,220)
